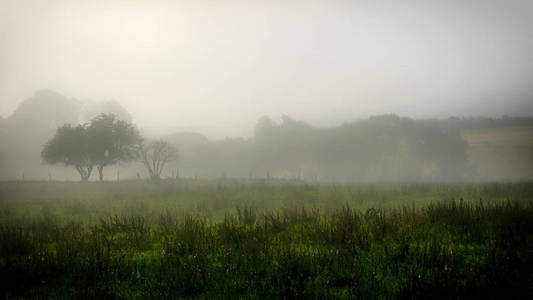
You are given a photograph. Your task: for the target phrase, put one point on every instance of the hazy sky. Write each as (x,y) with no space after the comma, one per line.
(217,66)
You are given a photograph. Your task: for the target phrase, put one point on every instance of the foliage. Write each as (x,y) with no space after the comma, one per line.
(104,141)
(34,122)
(92,110)
(111,141)
(69,147)
(379,148)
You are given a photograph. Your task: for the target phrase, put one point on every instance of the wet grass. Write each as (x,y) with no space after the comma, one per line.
(265,239)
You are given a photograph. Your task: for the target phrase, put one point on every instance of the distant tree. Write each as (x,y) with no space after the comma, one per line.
(69,146)
(110,141)
(41,114)
(264,127)
(93,109)
(156,155)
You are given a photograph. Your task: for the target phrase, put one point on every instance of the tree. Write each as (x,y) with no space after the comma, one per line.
(156,155)
(92,110)
(69,146)
(264,127)
(104,141)
(110,141)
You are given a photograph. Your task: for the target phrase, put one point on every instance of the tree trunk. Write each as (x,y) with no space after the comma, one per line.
(100,172)
(81,172)
(149,168)
(84,173)
(83,176)
(89,170)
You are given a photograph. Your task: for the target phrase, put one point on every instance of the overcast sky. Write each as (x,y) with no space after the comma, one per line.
(216,66)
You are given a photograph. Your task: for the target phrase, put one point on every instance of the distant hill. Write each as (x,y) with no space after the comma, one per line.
(43,113)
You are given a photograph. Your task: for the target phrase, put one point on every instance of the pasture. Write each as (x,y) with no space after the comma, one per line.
(265,239)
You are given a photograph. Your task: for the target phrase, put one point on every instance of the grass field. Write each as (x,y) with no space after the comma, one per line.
(501,153)
(265,239)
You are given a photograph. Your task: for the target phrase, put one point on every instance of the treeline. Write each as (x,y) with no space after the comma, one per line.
(384,147)
(380,148)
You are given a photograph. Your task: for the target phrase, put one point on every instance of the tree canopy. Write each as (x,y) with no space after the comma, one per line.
(69,147)
(111,141)
(104,141)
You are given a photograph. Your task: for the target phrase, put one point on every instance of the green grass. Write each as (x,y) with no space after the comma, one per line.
(265,239)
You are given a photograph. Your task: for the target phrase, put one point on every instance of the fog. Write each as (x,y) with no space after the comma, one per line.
(215,67)
(266,149)
(315,90)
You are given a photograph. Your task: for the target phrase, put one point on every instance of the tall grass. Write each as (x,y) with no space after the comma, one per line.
(448,248)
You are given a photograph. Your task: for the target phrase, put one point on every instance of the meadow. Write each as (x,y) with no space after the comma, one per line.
(501,153)
(265,239)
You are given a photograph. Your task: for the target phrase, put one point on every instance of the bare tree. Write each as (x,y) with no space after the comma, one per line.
(156,155)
